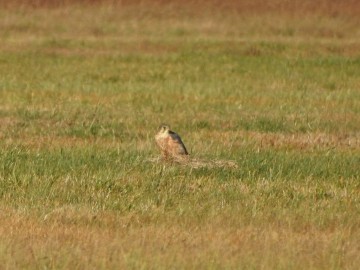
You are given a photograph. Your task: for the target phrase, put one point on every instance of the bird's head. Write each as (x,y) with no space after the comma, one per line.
(164,128)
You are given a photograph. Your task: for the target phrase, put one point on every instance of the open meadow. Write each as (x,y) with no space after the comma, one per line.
(271,85)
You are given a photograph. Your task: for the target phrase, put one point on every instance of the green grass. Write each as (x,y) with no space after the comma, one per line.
(83,89)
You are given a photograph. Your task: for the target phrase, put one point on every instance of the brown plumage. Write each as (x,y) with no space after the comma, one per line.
(170,144)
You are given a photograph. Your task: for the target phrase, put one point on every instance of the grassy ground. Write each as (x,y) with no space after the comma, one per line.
(274,87)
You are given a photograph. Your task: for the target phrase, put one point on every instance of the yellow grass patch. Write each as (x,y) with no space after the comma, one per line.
(295,141)
(118,241)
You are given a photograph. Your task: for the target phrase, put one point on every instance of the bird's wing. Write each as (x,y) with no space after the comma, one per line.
(175,138)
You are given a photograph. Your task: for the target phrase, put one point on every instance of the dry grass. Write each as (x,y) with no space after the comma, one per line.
(328,7)
(196,163)
(79,238)
(292,141)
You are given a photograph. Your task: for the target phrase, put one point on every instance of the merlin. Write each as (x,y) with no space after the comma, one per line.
(170,144)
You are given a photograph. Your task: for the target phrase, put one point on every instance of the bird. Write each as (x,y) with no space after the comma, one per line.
(170,144)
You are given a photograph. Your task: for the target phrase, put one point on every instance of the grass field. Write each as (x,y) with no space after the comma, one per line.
(273,86)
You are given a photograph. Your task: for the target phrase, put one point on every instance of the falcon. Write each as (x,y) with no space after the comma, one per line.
(170,144)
